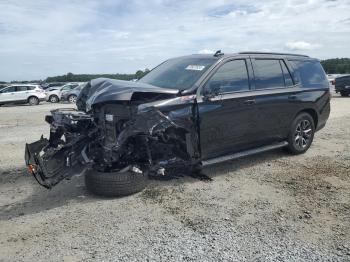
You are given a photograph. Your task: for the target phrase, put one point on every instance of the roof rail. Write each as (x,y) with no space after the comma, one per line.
(270,53)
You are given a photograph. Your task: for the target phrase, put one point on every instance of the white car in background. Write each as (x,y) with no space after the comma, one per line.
(22,94)
(53,94)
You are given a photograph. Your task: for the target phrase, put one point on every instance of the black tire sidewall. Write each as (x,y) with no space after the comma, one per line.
(114,184)
(292,148)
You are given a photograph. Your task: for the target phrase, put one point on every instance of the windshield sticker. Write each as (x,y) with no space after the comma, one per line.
(195,67)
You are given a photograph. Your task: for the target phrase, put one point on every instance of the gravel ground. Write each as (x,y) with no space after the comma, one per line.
(271,206)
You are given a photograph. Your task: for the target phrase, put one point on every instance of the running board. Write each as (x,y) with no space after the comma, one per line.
(243,153)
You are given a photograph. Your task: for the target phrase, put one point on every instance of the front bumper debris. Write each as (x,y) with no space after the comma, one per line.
(63,154)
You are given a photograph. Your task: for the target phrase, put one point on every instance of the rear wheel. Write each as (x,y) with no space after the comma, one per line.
(54,99)
(343,93)
(72,99)
(113,184)
(301,134)
(33,100)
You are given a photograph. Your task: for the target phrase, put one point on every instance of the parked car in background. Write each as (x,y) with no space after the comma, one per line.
(53,94)
(342,85)
(188,112)
(48,85)
(71,95)
(3,85)
(22,94)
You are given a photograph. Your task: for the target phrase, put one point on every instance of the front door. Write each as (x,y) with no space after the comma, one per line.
(8,94)
(227,110)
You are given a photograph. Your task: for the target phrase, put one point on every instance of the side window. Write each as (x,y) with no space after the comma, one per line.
(30,87)
(287,77)
(21,88)
(310,74)
(268,74)
(230,77)
(9,89)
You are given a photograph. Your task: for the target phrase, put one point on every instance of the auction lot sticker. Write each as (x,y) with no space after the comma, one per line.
(195,67)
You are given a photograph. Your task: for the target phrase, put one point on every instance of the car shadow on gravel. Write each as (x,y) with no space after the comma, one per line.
(35,198)
(39,199)
(158,186)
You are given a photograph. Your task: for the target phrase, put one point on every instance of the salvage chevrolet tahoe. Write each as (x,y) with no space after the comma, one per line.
(186,113)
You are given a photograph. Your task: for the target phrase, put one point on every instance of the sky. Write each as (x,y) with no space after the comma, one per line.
(41,38)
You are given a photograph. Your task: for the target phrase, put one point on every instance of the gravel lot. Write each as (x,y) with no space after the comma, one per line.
(272,206)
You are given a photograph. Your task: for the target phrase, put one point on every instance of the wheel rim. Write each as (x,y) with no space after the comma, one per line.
(53,99)
(303,134)
(32,101)
(72,99)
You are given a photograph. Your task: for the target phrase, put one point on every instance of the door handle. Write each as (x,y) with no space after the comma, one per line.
(292,97)
(249,102)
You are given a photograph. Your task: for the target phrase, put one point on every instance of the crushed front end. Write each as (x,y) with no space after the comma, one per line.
(151,132)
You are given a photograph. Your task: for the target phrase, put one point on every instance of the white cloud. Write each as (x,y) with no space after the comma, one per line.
(109,36)
(301,46)
(206,51)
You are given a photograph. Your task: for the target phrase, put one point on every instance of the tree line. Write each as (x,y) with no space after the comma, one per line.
(336,65)
(70,77)
(331,66)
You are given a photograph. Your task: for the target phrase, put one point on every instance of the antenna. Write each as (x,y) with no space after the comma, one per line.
(218,53)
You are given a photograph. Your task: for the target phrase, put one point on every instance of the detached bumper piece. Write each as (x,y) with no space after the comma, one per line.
(63,154)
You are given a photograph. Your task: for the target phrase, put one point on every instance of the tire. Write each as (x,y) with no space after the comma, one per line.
(72,99)
(301,134)
(115,184)
(344,94)
(33,100)
(54,99)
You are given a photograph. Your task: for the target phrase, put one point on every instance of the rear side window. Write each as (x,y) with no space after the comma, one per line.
(310,74)
(268,74)
(21,88)
(31,87)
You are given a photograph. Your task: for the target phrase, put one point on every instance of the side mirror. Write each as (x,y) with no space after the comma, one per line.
(211,90)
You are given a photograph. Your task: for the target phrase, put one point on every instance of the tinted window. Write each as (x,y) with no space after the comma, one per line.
(230,77)
(287,77)
(179,73)
(268,74)
(9,89)
(31,87)
(310,73)
(21,88)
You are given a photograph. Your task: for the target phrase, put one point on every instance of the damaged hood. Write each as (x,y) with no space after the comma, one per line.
(104,89)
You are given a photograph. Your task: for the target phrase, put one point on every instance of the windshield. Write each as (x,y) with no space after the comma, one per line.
(178,73)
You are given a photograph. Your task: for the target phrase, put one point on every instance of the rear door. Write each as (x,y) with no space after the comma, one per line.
(22,93)
(275,94)
(227,114)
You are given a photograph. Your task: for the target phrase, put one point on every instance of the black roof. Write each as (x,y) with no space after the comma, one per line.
(249,53)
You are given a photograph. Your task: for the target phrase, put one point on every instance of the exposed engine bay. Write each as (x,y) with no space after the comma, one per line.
(115,129)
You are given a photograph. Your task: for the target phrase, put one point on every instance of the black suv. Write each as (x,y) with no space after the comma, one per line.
(342,85)
(186,113)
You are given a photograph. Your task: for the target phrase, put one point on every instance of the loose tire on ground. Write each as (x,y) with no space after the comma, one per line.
(33,100)
(301,134)
(115,184)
